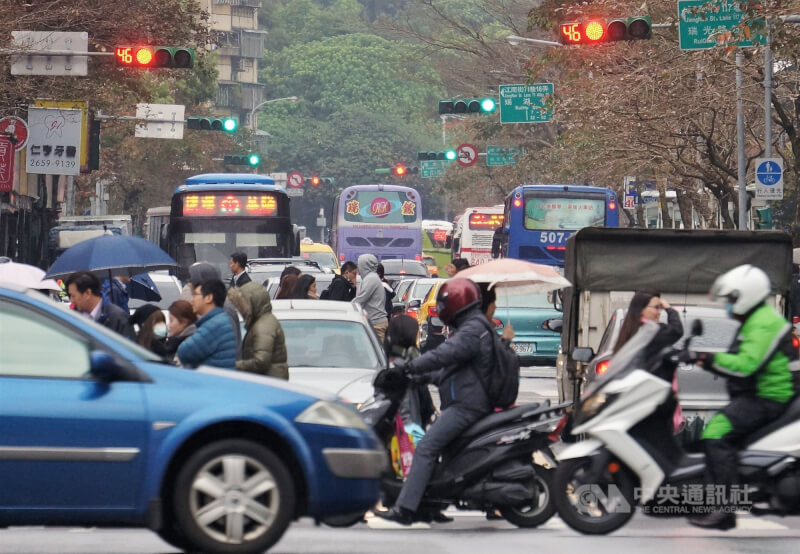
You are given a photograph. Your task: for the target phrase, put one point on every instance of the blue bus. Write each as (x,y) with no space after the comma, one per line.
(214,215)
(538,219)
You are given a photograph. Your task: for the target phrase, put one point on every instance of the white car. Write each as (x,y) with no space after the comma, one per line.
(331,346)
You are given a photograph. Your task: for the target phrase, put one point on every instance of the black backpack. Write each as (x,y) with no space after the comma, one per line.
(502,386)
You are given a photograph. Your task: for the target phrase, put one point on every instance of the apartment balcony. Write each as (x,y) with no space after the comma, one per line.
(249,3)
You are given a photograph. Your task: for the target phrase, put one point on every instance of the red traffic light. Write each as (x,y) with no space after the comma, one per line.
(593,31)
(315,180)
(176,57)
(399,170)
(583,33)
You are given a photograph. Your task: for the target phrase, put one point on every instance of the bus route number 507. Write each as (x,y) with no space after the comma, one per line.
(552,237)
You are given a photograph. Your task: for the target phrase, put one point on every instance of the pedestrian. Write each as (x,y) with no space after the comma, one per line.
(115,290)
(287,285)
(238,263)
(214,341)
(204,271)
(456,265)
(181,326)
(387,288)
(371,294)
(152,328)
(264,346)
(343,287)
(84,293)
(306,288)
(647,306)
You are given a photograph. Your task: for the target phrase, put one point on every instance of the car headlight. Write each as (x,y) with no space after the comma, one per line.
(323,412)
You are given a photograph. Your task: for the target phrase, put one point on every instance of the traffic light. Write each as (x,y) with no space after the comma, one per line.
(594,31)
(468,105)
(242,159)
(447,155)
(227,124)
(94,144)
(175,57)
(316,180)
(401,170)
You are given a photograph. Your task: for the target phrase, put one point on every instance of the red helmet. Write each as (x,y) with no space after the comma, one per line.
(456,296)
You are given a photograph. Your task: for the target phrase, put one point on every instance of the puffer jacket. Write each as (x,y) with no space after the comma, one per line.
(214,342)
(264,346)
(465,356)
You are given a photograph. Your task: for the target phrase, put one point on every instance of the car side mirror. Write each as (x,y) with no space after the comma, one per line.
(697,328)
(582,354)
(415,304)
(103,366)
(554,324)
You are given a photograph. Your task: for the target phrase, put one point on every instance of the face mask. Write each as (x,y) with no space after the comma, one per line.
(160,331)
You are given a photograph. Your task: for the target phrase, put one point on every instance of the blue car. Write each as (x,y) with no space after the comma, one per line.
(96,431)
(534,343)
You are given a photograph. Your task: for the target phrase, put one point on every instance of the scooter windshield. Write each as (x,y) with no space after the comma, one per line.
(627,358)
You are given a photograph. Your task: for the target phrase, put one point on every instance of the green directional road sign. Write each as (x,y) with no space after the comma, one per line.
(708,23)
(502,155)
(526,103)
(432,168)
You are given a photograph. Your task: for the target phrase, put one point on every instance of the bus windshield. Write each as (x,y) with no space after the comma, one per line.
(381,207)
(553,212)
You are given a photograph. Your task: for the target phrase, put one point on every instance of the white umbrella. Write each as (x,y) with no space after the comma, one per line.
(24,275)
(516,276)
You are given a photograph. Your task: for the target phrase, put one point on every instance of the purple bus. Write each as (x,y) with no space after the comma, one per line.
(385,220)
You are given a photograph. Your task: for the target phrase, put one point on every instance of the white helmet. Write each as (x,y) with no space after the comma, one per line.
(745,287)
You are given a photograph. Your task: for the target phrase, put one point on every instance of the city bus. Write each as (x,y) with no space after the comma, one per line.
(473,233)
(384,220)
(437,238)
(540,218)
(214,215)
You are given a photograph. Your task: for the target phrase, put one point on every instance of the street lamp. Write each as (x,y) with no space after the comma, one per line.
(253,120)
(514,40)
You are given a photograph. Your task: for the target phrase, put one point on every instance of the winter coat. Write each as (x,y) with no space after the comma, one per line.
(233,315)
(466,356)
(340,289)
(389,296)
(214,342)
(371,294)
(114,318)
(172,343)
(264,347)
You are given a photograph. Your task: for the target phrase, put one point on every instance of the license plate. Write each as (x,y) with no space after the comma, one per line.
(523,347)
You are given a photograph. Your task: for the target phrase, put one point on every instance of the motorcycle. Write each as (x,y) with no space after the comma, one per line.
(490,467)
(630,455)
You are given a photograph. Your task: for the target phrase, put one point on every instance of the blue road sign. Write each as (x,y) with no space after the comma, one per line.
(769,173)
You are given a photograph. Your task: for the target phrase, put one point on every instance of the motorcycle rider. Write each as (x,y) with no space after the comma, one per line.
(760,383)
(466,357)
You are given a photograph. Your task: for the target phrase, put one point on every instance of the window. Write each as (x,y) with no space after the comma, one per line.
(327,343)
(22,336)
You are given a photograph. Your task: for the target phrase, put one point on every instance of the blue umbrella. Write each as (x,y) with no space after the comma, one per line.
(111,255)
(142,287)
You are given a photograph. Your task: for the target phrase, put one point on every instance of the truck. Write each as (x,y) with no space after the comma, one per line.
(607,265)
(121,222)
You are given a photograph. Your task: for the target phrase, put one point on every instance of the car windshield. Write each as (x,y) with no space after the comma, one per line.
(404,267)
(324,259)
(328,343)
(511,300)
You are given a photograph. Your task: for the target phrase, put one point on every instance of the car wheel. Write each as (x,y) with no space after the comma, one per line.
(539,511)
(233,496)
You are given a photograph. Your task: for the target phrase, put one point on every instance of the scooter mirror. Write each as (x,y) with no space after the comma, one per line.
(697,328)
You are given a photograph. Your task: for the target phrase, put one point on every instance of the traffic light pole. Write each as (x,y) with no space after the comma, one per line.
(740,141)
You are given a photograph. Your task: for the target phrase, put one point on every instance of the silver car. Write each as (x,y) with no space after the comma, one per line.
(331,347)
(700,392)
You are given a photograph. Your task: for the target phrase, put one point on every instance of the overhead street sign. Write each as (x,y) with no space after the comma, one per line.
(167,121)
(54,144)
(526,103)
(466,154)
(502,155)
(60,65)
(769,178)
(432,168)
(705,24)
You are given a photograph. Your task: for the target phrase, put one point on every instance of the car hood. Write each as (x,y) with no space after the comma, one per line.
(354,385)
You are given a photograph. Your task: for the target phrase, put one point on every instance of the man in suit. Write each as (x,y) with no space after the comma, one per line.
(237,264)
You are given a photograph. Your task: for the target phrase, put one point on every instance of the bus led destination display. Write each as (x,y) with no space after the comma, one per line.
(259,204)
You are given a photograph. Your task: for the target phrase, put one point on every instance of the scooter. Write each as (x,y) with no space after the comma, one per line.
(630,455)
(490,467)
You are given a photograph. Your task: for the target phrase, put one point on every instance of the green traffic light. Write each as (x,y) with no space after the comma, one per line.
(253,159)
(450,155)
(229,124)
(488,105)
